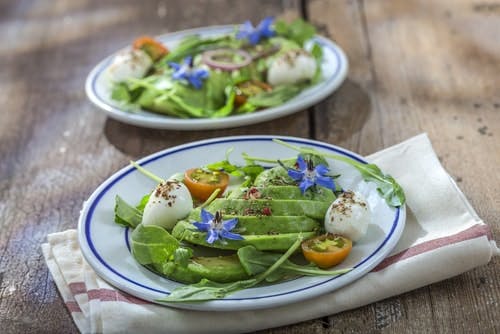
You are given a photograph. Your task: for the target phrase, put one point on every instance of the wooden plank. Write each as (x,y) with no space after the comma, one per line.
(421,66)
(56,148)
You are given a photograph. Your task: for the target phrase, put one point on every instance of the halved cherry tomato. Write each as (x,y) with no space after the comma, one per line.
(152,47)
(202,183)
(326,250)
(249,88)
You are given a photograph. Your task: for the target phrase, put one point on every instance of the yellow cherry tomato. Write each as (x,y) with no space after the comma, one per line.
(326,250)
(202,183)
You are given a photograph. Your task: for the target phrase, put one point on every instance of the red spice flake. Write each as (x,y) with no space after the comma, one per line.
(252,193)
(266,211)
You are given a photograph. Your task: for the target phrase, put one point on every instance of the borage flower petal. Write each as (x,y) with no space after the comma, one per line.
(254,35)
(230,235)
(194,76)
(326,182)
(265,27)
(206,216)
(309,176)
(212,235)
(305,184)
(296,175)
(230,224)
(216,228)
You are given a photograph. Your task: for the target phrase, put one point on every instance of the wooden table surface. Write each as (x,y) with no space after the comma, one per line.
(415,66)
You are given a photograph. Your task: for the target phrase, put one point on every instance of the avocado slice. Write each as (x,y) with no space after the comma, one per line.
(266,224)
(220,269)
(279,207)
(251,225)
(274,176)
(285,192)
(186,231)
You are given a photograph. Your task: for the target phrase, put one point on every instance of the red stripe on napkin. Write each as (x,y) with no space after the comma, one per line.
(471,233)
(73,306)
(77,288)
(108,295)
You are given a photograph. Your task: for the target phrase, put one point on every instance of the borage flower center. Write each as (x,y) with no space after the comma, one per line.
(216,223)
(310,174)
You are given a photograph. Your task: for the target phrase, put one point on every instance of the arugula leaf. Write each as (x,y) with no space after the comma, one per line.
(298,30)
(249,171)
(125,214)
(153,244)
(182,256)
(387,186)
(143,202)
(206,290)
(227,108)
(277,96)
(317,52)
(120,92)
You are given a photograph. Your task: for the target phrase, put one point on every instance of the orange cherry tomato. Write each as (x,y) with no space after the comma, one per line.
(202,183)
(152,47)
(326,250)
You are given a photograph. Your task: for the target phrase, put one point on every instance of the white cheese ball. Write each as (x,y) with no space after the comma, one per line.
(292,67)
(349,216)
(129,64)
(168,203)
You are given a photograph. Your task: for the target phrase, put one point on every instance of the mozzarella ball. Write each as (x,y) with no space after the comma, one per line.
(292,67)
(168,203)
(129,64)
(349,216)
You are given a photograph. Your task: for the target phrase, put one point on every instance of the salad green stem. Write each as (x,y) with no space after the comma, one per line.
(280,261)
(146,172)
(210,198)
(259,159)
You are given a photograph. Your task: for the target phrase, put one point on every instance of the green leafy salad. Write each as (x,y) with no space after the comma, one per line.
(240,72)
(222,227)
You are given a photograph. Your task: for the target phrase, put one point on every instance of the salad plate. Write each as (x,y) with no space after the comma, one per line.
(106,245)
(334,67)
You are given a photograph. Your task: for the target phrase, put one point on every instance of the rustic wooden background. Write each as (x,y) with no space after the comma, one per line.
(415,66)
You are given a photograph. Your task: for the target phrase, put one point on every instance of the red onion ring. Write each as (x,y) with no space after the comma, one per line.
(208,59)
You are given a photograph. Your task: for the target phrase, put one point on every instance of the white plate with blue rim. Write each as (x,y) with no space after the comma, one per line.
(106,247)
(98,88)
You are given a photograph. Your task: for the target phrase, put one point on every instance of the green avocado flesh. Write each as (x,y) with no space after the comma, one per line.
(285,192)
(217,268)
(186,231)
(278,207)
(251,225)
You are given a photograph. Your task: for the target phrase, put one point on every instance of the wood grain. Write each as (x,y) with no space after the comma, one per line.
(421,66)
(415,66)
(56,147)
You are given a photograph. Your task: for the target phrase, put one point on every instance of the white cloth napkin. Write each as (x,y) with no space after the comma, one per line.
(443,237)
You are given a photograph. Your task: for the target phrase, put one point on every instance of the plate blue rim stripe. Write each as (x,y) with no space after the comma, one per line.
(90,212)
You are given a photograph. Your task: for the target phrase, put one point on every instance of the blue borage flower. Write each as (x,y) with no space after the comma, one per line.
(308,175)
(254,35)
(216,228)
(185,71)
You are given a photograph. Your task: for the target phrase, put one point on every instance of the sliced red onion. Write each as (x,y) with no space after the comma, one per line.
(208,58)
